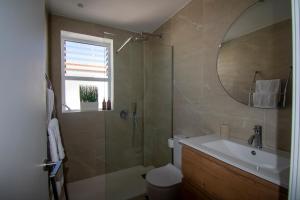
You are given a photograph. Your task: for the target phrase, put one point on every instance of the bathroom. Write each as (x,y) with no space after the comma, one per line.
(195,99)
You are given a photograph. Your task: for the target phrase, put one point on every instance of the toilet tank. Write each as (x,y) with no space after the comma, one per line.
(177,150)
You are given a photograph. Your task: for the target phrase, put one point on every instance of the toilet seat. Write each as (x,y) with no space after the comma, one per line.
(165,176)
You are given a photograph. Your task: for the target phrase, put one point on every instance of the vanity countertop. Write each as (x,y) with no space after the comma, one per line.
(265,163)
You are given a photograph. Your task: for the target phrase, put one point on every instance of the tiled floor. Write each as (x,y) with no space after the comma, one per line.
(121,185)
(87,189)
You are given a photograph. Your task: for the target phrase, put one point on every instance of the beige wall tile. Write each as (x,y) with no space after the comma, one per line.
(200,103)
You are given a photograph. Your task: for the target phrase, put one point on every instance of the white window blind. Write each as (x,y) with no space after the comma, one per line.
(86,60)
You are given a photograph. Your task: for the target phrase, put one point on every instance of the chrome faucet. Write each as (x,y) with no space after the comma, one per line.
(257,136)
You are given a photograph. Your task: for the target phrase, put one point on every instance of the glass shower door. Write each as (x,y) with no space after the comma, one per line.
(141,122)
(158,103)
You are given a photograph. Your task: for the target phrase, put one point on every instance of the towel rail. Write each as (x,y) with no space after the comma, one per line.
(52,175)
(282,94)
(286,86)
(251,90)
(54,167)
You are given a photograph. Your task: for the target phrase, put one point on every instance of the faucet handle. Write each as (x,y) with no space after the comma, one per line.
(257,127)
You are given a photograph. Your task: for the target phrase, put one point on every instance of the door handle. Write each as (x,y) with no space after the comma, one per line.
(47,164)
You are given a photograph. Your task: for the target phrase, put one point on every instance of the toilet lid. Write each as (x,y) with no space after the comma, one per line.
(165,176)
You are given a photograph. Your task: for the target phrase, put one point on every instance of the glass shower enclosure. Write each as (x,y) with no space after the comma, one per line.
(140,124)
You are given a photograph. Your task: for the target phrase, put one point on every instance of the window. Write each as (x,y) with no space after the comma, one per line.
(88,61)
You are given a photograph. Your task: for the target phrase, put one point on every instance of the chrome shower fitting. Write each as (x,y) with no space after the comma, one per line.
(140,37)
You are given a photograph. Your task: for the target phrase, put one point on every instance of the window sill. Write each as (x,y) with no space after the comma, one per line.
(84,111)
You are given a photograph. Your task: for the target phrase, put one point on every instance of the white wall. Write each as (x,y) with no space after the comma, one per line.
(22,99)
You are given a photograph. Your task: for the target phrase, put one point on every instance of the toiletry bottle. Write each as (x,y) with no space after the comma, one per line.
(103,104)
(224,131)
(108,104)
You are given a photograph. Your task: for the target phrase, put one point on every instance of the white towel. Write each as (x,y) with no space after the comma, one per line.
(50,103)
(53,147)
(268,86)
(55,144)
(265,100)
(267,93)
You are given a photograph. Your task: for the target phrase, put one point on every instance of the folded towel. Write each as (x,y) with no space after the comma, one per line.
(266,100)
(53,147)
(50,103)
(55,144)
(268,86)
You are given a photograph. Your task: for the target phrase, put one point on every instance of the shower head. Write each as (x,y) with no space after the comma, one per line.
(140,37)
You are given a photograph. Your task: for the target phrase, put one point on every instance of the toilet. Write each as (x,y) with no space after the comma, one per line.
(163,183)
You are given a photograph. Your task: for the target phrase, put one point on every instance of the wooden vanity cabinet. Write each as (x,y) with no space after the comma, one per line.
(207,178)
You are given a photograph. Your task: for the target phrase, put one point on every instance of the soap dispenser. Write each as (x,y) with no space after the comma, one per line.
(224,131)
(108,104)
(103,104)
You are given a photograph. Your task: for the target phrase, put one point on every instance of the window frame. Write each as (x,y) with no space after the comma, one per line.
(91,40)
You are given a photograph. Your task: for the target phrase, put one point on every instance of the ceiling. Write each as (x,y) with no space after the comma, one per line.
(132,15)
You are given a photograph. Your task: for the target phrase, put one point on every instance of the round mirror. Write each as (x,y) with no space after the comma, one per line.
(255,57)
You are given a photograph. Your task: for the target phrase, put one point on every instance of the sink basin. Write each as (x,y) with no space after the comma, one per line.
(249,155)
(264,163)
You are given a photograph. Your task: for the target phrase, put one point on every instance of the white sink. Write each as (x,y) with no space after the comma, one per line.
(267,164)
(247,154)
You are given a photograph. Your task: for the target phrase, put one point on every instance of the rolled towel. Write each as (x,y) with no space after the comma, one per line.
(266,100)
(55,144)
(53,147)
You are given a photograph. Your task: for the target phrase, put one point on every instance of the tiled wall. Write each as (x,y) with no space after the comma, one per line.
(91,138)
(200,103)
